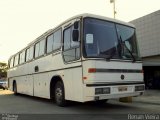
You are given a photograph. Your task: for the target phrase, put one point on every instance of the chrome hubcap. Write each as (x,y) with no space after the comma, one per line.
(58,94)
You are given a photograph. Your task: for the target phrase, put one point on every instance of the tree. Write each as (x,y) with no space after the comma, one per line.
(3,69)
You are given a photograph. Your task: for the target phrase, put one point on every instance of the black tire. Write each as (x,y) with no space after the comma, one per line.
(59,94)
(3,88)
(101,102)
(15,88)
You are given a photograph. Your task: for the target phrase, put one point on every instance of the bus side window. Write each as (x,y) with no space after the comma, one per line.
(71,49)
(11,63)
(57,40)
(22,57)
(49,43)
(31,52)
(41,47)
(36,50)
(16,60)
(27,54)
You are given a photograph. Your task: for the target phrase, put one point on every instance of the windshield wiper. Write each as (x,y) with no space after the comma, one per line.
(110,56)
(124,45)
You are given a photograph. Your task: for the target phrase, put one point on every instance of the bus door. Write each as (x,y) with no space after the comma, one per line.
(72,61)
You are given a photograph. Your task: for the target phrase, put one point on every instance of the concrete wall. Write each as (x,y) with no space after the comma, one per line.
(148,34)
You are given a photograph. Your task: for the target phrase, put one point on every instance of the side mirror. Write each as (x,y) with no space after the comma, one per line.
(75,35)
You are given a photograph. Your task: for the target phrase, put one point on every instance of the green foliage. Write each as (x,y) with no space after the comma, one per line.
(3,69)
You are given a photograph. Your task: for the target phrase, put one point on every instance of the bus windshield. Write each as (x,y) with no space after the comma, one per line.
(104,39)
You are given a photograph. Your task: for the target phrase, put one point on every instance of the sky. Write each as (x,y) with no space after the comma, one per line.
(22,21)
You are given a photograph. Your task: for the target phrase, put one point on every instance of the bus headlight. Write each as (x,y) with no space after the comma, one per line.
(102,90)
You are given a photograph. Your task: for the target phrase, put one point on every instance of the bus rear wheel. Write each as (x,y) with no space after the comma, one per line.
(15,88)
(59,94)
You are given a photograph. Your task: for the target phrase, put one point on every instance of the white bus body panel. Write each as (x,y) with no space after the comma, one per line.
(111,76)
(108,77)
(38,83)
(73,84)
(72,75)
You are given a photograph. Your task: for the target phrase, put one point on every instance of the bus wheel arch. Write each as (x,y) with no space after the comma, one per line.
(53,82)
(57,85)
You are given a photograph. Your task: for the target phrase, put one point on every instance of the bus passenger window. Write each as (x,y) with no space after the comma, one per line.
(22,57)
(41,47)
(16,60)
(57,40)
(27,55)
(11,63)
(49,43)
(36,50)
(31,50)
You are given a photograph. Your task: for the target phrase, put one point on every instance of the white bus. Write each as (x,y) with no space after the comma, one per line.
(86,58)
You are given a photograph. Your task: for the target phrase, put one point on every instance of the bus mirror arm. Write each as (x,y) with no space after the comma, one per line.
(76,25)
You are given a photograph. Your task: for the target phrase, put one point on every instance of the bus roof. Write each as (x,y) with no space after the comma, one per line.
(74,17)
(83,16)
(103,18)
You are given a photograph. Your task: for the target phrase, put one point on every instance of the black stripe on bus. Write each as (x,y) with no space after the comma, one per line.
(119,70)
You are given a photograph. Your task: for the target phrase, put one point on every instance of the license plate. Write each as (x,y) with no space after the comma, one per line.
(121,89)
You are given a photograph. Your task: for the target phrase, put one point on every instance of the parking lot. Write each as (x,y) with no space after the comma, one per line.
(22,104)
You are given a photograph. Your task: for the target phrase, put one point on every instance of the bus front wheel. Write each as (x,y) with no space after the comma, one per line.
(101,102)
(59,94)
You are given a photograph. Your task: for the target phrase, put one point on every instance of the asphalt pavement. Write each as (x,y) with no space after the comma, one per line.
(149,96)
(23,107)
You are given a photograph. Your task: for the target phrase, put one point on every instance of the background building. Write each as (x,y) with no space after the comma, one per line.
(148,35)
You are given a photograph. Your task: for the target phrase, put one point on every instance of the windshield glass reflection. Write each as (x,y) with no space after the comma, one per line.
(109,40)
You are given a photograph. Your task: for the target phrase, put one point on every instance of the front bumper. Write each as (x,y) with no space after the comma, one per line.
(115,92)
